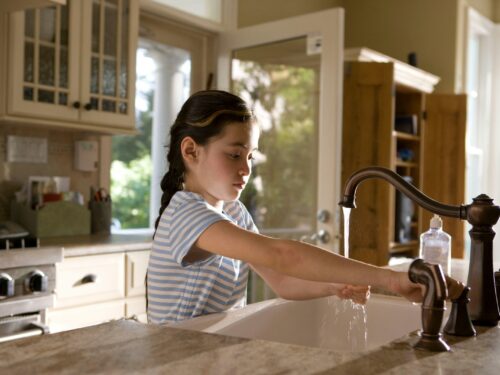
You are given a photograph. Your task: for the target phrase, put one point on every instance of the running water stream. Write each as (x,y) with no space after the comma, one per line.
(344,326)
(347,213)
(355,330)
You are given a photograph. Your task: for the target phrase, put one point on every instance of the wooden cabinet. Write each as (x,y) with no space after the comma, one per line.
(73,65)
(427,147)
(97,288)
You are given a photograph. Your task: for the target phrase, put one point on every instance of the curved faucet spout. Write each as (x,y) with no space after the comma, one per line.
(482,214)
(403,186)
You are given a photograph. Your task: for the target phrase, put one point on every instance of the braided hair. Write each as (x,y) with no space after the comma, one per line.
(202,117)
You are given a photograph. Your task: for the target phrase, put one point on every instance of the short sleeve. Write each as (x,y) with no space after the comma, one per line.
(247,218)
(189,220)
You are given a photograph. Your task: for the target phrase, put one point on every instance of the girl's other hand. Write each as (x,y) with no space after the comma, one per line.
(357,293)
(455,288)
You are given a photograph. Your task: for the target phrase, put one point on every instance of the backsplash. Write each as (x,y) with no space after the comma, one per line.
(60,149)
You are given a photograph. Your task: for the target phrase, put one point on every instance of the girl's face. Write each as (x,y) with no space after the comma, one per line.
(223,165)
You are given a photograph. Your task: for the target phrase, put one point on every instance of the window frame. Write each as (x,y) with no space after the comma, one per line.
(482,28)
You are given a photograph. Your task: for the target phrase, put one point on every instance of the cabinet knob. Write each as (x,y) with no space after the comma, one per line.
(87,106)
(76,105)
(37,282)
(6,285)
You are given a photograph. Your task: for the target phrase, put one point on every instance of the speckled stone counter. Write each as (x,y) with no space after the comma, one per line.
(98,244)
(133,348)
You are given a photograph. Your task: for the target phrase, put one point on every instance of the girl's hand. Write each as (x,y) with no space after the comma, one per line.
(356,293)
(401,284)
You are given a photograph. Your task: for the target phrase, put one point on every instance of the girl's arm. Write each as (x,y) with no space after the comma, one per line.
(301,260)
(291,288)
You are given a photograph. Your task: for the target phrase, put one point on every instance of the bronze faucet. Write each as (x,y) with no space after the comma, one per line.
(482,214)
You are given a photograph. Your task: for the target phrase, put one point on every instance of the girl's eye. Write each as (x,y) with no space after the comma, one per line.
(251,157)
(234,156)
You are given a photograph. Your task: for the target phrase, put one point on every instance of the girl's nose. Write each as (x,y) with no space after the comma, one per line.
(245,169)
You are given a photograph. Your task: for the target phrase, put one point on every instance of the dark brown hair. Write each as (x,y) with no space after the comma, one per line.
(202,117)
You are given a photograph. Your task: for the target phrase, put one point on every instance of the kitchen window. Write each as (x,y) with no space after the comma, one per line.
(171,62)
(483,96)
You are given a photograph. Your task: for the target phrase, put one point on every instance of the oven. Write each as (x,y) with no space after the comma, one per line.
(27,284)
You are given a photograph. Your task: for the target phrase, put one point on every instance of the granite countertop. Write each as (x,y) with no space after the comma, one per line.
(128,347)
(93,244)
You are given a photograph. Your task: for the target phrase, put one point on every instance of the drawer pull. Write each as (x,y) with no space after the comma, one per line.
(90,278)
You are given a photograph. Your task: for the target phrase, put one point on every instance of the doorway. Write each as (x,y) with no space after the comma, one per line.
(290,71)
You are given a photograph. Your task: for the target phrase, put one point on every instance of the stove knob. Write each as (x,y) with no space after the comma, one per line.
(36,281)
(6,285)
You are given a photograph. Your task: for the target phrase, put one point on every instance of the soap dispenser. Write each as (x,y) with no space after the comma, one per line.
(435,245)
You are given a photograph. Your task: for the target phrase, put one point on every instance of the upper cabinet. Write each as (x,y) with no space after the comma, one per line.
(12,6)
(74,65)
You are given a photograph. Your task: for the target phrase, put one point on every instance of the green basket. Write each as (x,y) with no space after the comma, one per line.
(53,219)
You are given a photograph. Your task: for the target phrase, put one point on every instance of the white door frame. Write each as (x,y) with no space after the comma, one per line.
(330,25)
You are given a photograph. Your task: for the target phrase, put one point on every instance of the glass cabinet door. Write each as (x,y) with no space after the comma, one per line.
(109,90)
(40,81)
(41,84)
(46,55)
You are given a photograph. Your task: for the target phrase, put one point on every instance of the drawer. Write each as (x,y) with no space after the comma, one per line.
(137,265)
(84,316)
(90,279)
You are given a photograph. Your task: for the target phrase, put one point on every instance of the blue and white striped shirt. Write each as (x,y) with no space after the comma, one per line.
(178,290)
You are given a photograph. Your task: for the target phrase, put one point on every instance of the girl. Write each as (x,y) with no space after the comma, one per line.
(205,239)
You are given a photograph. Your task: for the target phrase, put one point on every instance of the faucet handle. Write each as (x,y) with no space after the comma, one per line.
(433,305)
(433,278)
(459,323)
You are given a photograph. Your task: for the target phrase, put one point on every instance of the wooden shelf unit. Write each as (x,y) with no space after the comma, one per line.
(405,136)
(375,92)
(398,247)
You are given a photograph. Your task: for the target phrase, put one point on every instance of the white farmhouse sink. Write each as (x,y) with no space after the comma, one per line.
(325,322)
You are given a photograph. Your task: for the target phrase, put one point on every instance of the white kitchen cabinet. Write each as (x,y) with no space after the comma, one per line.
(93,289)
(74,66)
(137,265)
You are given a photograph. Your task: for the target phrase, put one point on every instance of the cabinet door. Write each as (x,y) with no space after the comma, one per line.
(444,160)
(137,264)
(367,140)
(42,79)
(109,42)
